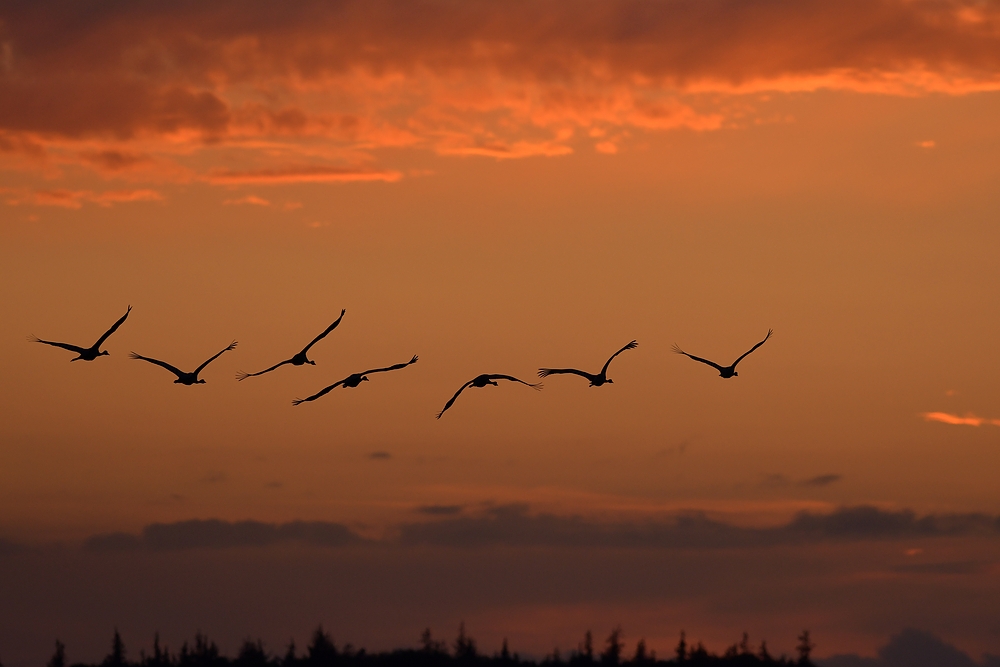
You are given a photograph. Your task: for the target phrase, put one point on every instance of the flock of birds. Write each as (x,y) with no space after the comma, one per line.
(301,358)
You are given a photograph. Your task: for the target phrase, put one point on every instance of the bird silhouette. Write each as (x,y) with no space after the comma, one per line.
(86,353)
(182,377)
(727,371)
(482,381)
(354,380)
(300,358)
(595,380)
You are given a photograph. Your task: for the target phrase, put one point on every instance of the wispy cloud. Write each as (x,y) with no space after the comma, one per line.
(968,420)
(300,175)
(252,200)
(75,199)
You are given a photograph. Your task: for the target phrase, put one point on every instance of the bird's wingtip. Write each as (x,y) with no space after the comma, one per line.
(543,372)
(34,339)
(297,401)
(242,375)
(414,359)
(677,349)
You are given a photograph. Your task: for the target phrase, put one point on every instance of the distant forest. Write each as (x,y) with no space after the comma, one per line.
(464,652)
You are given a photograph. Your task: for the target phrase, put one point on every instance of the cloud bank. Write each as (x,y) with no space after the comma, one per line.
(515,525)
(308,93)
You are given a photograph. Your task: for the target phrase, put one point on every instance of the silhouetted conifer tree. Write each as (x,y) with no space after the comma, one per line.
(612,655)
(117,656)
(681,650)
(585,652)
(322,650)
(640,652)
(252,654)
(58,658)
(762,653)
(804,648)
(204,654)
(430,646)
(290,658)
(698,655)
(553,658)
(504,651)
(465,646)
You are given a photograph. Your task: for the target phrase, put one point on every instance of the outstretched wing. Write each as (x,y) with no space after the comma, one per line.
(322,335)
(394,367)
(114,328)
(173,369)
(243,376)
(630,346)
(65,346)
(537,386)
(714,365)
(545,372)
(452,399)
(321,392)
(214,357)
(769,332)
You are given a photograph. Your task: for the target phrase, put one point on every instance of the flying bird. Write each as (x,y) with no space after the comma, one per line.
(86,353)
(354,380)
(182,377)
(728,371)
(300,358)
(482,381)
(595,380)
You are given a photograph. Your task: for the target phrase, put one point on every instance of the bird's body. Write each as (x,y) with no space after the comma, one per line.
(86,353)
(724,371)
(354,380)
(182,376)
(300,358)
(482,381)
(595,380)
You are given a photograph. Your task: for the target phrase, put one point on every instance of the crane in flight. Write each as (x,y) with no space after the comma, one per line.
(482,381)
(595,380)
(354,380)
(300,358)
(86,353)
(724,371)
(182,377)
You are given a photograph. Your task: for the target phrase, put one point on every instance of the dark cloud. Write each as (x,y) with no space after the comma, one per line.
(910,648)
(822,480)
(216,534)
(122,69)
(515,525)
(440,510)
(380,456)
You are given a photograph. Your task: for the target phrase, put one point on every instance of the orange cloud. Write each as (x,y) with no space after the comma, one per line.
(76,198)
(968,420)
(249,199)
(180,87)
(300,175)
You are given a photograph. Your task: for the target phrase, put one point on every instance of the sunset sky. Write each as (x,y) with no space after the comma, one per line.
(498,187)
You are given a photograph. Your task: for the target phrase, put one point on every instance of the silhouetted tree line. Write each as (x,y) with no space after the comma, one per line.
(464,652)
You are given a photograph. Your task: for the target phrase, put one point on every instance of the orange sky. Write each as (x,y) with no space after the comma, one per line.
(498,188)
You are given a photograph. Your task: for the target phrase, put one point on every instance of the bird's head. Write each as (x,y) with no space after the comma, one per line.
(610,381)
(494,383)
(364,378)
(200,382)
(311,362)
(104,353)
(735,374)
